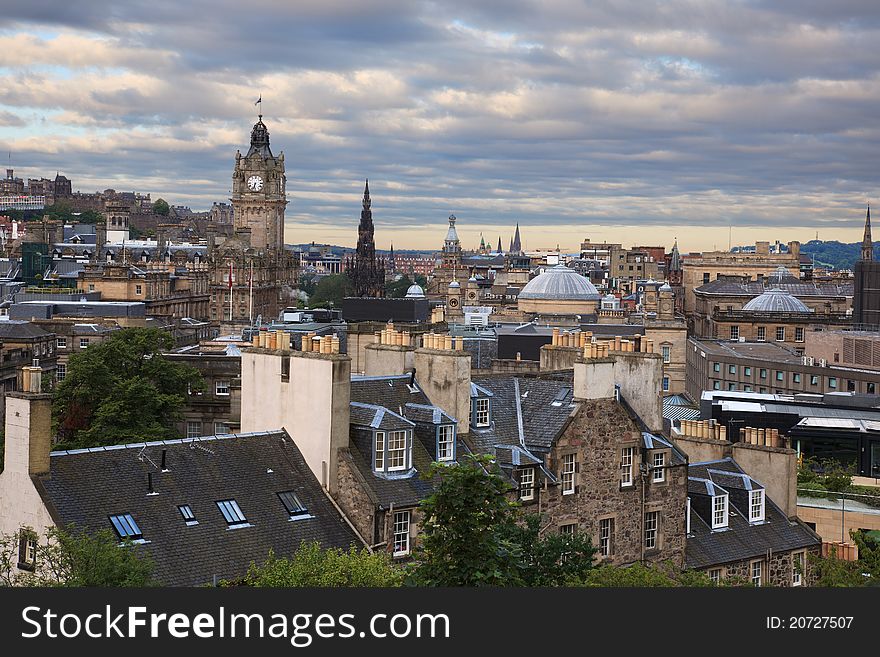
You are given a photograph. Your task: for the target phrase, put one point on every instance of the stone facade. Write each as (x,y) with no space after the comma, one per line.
(598,432)
(777,570)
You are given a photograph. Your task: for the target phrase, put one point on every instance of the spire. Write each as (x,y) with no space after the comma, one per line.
(499,244)
(516,247)
(867,244)
(260,139)
(367,201)
(675,260)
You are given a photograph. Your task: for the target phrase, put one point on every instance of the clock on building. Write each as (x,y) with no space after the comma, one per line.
(255,183)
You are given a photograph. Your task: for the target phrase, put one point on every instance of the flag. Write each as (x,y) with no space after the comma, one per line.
(259,100)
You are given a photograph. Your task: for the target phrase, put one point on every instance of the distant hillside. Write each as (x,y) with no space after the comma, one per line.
(835,254)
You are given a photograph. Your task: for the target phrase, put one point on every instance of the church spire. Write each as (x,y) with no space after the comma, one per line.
(675,259)
(867,244)
(367,201)
(516,247)
(499,244)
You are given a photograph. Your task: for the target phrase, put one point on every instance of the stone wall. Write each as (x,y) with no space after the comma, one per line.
(596,435)
(777,570)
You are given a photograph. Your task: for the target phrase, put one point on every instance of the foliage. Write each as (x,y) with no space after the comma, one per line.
(835,254)
(122,390)
(397,289)
(69,559)
(312,566)
(822,479)
(330,291)
(642,575)
(61,211)
(307,283)
(473,535)
(161,207)
(551,559)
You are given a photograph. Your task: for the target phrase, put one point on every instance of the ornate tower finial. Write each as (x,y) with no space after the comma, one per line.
(867,244)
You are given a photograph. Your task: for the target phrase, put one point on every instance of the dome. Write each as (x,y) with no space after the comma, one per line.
(560,283)
(776,301)
(454,284)
(415,291)
(666,287)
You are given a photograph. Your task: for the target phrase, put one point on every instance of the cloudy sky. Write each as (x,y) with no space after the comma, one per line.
(631,120)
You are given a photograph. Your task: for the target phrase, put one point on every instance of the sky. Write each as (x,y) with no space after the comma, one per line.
(629,121)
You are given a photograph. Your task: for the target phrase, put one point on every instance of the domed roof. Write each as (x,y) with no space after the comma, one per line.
(776,300)
(455,284)
(666,287)
(560,282)
(415,291)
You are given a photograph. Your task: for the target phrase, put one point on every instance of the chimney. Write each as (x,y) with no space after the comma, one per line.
(100,235)
(445,377)
(28,426)
(212,236)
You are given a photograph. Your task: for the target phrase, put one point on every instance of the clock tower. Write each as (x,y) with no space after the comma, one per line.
(258,192)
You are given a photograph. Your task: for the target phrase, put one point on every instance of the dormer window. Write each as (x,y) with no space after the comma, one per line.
(481,412)
(527,484)
(719,511)
(445,442)
(392,451)
(756,506)
(658,473)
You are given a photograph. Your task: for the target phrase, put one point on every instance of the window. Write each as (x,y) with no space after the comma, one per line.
(706,277)
(780,376)
(221,388)
(799,334)
(832,382)
(61,343)
(796,378)
(126,528)
(397,451)
(445,442)
(716,385)
(626,466)
(665,384)
(652,519)
(401,533)
(734,332)
(756,505)
(780,334)
(60,372)
(798,568)
(747,371)
(232,513)
(220,428)
(188,516)
(379,458)
(731,369)
(747,388)
(295,508)
(763,373)
(193,429)
(719,511)
(27,550)
(481,412)
(568,530)
(569,467)
(757,571)
(83,343)
(527,484)
(731,387)
(658,474)
(762,334)
(716,367)
(606,536)
(138,289)
(715,575)
(871,388)
(814,380)
(666,351)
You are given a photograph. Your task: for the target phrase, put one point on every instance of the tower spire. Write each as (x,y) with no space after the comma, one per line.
(867,244)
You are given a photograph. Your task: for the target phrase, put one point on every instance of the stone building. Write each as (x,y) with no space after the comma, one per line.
(866,301)
(366,273)
(700,268)
(558,291)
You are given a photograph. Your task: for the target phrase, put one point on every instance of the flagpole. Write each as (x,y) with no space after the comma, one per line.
(251,300)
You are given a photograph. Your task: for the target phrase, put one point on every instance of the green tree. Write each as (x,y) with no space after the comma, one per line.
(122,390)
(331,290)
(77,559)
(466,534)
(551,559)
(161,207)
(831,571)
(307,284)
(641,575)
(312,566)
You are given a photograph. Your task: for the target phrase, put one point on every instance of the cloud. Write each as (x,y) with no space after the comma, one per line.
(556,113)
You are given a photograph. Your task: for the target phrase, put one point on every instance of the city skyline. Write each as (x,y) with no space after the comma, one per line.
(679,120)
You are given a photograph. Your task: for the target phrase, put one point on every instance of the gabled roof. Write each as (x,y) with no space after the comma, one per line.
(87,486)
(377,417)
(740,540)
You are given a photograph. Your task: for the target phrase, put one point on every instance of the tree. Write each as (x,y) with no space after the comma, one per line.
(161,207)
(552,559)
(76,559)
(307,284)
(312,566)
(122,390)
(331,290)
(641,575)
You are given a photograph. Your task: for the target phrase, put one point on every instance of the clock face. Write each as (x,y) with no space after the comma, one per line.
(255,183)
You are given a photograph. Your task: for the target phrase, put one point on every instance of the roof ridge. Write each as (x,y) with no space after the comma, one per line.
(156,443)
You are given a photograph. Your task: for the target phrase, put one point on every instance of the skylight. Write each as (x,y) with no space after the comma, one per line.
(188,515)
(232,513)
(126,527)
(292,503)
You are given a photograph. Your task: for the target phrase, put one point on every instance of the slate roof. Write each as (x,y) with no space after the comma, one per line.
(734,286)
(741,540)
(392,392)
(377,417)
(20,330)
(88,486)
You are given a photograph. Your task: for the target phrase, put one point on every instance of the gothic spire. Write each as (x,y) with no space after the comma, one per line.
(499,244)
(516,247)
(675,260)
(867,244)
(260,140)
